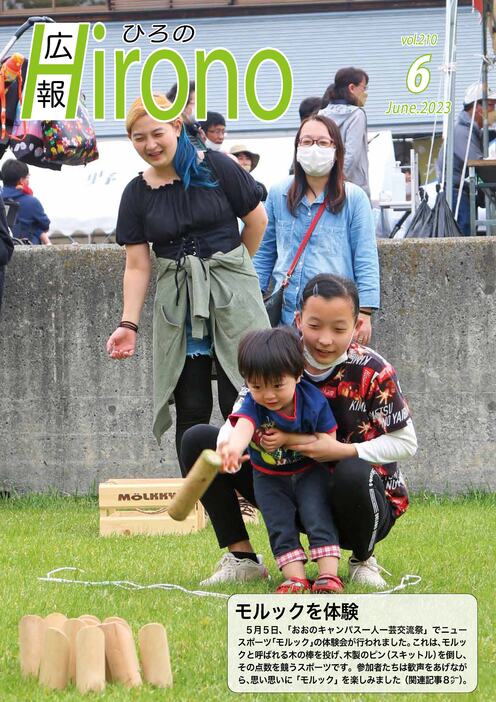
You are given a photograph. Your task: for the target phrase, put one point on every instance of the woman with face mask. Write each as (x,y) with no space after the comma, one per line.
(343,241)
(343,102)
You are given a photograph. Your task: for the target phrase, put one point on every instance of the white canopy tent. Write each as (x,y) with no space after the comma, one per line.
(85,198)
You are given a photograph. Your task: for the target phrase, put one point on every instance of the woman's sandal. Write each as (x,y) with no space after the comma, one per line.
(328,583)
(294,586)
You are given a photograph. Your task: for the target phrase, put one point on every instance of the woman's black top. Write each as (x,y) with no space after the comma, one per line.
(199,221)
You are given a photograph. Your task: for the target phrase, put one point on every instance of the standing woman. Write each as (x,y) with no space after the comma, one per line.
(343,102)
(343,241)
(187,209)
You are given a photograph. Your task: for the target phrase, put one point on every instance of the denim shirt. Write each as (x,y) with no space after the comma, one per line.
(343,244)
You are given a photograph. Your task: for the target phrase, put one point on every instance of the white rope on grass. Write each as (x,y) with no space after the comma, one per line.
(125,584)
(406,581)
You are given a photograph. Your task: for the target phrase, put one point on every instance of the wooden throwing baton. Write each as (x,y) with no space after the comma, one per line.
(195,484)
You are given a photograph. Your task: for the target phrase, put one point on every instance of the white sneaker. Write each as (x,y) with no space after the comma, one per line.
(232,569)
(367,572)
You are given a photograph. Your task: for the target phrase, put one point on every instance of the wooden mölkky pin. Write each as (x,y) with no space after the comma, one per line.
(119,620)
(90,659)
(120,653)
(31,633)
(55,620)
(54,664)
(109,620)
(71,629)
(89,619)
(155,659)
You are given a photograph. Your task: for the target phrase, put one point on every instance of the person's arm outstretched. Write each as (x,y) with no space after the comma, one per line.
(122,343)
(231,450)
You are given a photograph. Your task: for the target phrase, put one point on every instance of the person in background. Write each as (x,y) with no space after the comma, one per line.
(214,128)
(309,106)
(343,241)
(194,131)
(32,222)
(6,247)
(249,161)
(343,102)
(472,111)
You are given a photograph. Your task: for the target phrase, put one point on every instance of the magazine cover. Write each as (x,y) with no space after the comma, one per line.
(246,329)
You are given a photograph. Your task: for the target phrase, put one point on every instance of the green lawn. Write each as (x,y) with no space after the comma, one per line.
(447,542)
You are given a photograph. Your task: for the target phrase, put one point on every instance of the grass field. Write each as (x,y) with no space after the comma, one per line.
(448,542)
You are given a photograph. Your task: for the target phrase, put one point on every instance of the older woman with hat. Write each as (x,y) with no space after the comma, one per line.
(249,161)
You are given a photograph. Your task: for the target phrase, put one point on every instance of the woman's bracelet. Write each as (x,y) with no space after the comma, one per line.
(367,312)
(129,325)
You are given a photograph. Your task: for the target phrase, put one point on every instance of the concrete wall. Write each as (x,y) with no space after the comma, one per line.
(72,418)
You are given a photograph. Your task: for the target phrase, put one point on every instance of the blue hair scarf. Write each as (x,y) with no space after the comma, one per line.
(188,167)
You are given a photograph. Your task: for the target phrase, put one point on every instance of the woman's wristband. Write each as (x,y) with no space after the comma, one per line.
(129,325)
(366,312)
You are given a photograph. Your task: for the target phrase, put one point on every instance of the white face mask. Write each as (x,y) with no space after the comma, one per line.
(313,362)
(325,366)
(212,145)
(316,160)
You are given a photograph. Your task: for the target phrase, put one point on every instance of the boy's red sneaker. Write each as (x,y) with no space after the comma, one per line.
(328,583)
(294,586)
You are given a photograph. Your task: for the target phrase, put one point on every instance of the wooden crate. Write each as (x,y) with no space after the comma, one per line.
(139,506)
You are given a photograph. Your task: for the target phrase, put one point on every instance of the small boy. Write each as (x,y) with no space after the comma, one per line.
(31,221)
(278,408)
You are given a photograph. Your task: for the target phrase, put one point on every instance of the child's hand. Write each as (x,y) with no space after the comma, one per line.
(231,459)
(273,439)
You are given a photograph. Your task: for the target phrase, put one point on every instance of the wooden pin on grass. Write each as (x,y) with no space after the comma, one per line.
(120,653)
(89,619)
(119,620)
(55,620)
(155,659)
(54,664)
(92,654)
(71,629)
(90,659)
(31,633)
